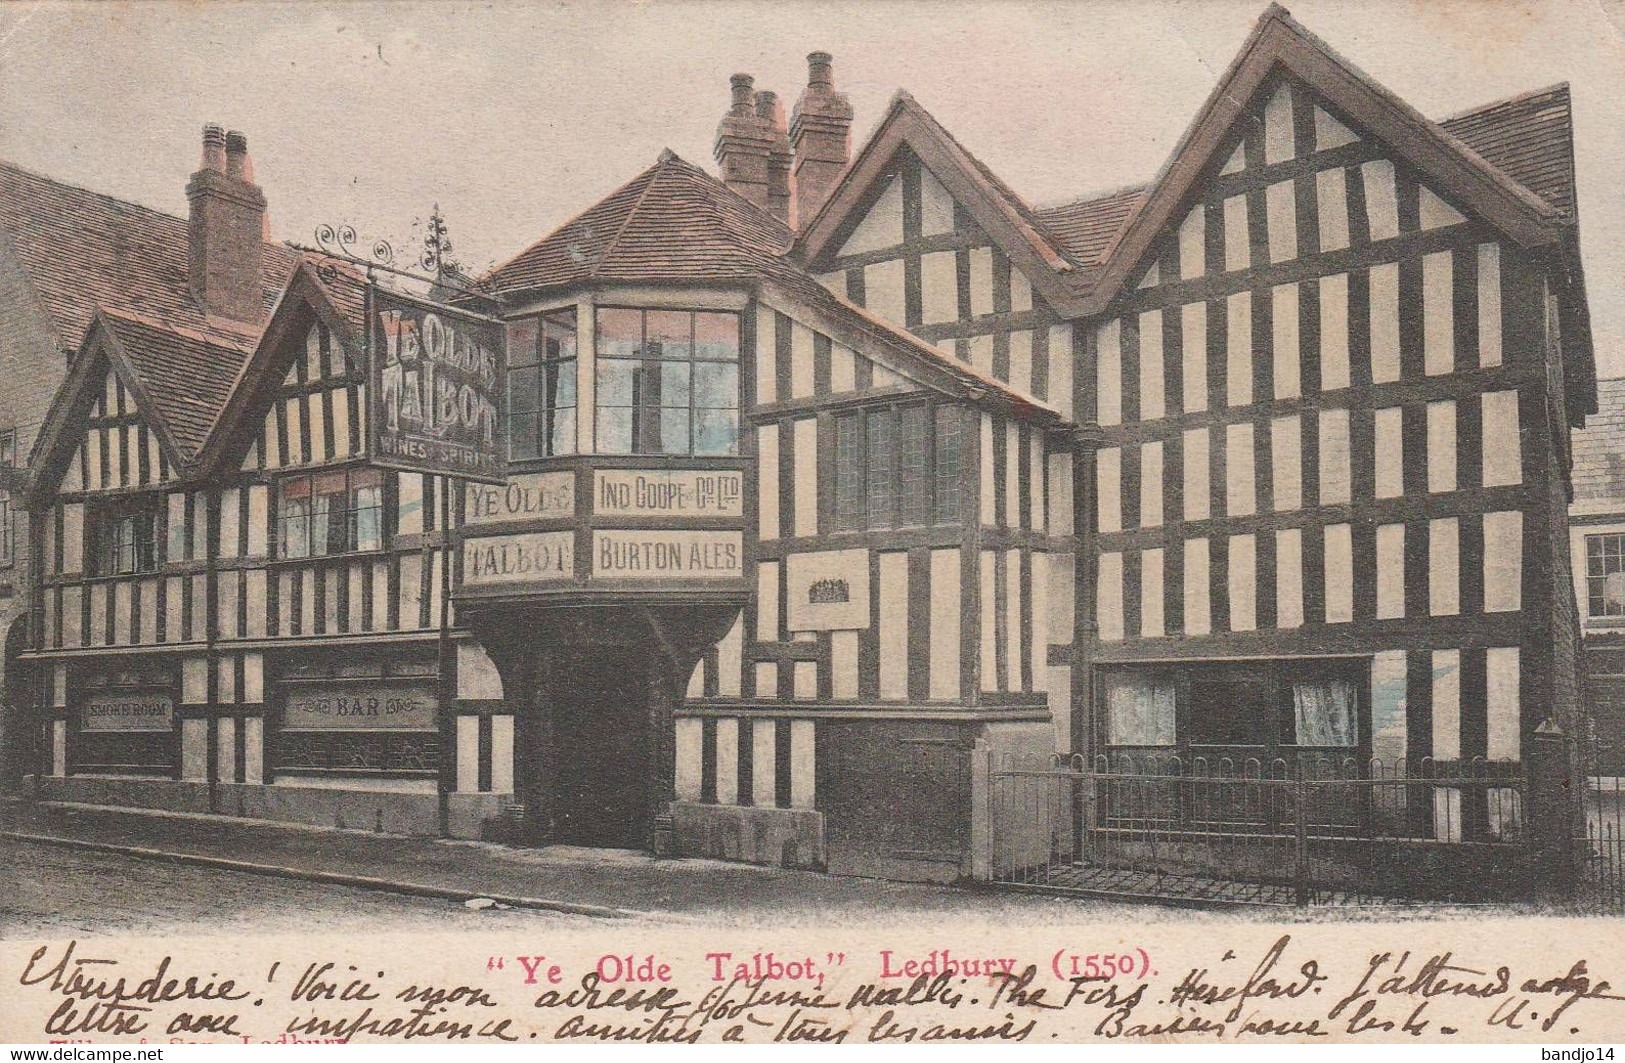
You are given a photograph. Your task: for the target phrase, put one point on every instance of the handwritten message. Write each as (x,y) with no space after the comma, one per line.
(1220,985)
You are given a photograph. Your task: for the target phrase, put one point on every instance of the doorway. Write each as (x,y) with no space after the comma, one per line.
(601,752)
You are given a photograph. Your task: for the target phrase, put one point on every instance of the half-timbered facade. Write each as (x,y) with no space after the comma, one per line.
(810,517)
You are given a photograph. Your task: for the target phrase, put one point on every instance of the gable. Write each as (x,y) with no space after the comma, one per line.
(316,413)
(1298,180)
(1243,112)
(116,446)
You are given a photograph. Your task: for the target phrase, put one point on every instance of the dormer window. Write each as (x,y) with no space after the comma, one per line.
(667,382)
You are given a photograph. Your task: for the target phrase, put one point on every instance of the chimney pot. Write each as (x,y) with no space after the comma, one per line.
(820,70)
(214,148)
(766,104)
(237,156)
(741,86)
(820,134)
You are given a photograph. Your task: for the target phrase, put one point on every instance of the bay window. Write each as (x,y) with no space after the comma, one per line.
(335,512)
(667,382)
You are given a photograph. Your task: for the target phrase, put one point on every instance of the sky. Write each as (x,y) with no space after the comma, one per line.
(514,117)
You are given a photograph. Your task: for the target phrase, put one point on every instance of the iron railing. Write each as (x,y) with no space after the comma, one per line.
(1308,827)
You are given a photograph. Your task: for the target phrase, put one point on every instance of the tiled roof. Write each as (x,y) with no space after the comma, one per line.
(673,222)
(1529,138)
(186,377)
(1086,228)
(1599,448)
(676,222)
(84,250)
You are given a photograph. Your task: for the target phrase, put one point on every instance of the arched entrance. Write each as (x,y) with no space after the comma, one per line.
(593,689)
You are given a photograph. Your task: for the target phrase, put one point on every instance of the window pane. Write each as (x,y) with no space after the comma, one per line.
(522,342)
(668,334)
(620,333)
(716,385)
(882,477)
(1323,713)
(1139,712)
(562,435)
(615,382)
(560,335)
(674,378)
(948,464)
(523,390)
(321,513)
(673,432)
(716,432)
(849,515)
(716,336)
(522,435)
(914,486)
(614,430)
(561,383)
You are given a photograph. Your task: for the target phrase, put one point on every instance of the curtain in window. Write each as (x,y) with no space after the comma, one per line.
(1323,712)
(1139,712)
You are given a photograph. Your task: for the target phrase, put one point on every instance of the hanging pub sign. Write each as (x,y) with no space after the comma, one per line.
(436,389)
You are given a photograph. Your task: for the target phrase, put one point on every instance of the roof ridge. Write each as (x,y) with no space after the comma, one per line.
(1506,101)
(654,173)
(647,171)
(110,197)
(249,342)
(1092,197)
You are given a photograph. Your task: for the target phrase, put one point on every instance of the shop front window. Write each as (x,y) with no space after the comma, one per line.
(667,382)
(542,386)
(330,513)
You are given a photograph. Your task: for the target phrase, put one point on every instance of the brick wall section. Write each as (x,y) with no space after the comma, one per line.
(32,366)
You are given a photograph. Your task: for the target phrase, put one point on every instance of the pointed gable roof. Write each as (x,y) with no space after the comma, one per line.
(675,222)
(1278,41)
(1020,232)
(181,379)
(672,222)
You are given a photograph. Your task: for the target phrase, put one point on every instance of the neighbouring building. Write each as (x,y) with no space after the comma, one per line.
(834,480)
(1597,536)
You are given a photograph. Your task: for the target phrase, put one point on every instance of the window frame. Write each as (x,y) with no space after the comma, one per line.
(1596,582)
(350,522)
(906,479)
(637,410)
(550,367)
(1274,679)
(144,509)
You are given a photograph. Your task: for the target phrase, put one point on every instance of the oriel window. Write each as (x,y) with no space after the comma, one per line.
(542,385)
(335,512)
(667,382)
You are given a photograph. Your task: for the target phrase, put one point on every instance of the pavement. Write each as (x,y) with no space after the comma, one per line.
(595,884)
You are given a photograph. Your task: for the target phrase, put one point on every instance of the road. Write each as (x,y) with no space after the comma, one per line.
(50,891)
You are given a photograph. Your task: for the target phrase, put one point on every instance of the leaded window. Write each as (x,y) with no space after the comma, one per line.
(897,467)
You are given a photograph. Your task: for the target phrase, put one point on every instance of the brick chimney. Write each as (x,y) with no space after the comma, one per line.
(223,257)
(745,143)
(778,155)
(821,134)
